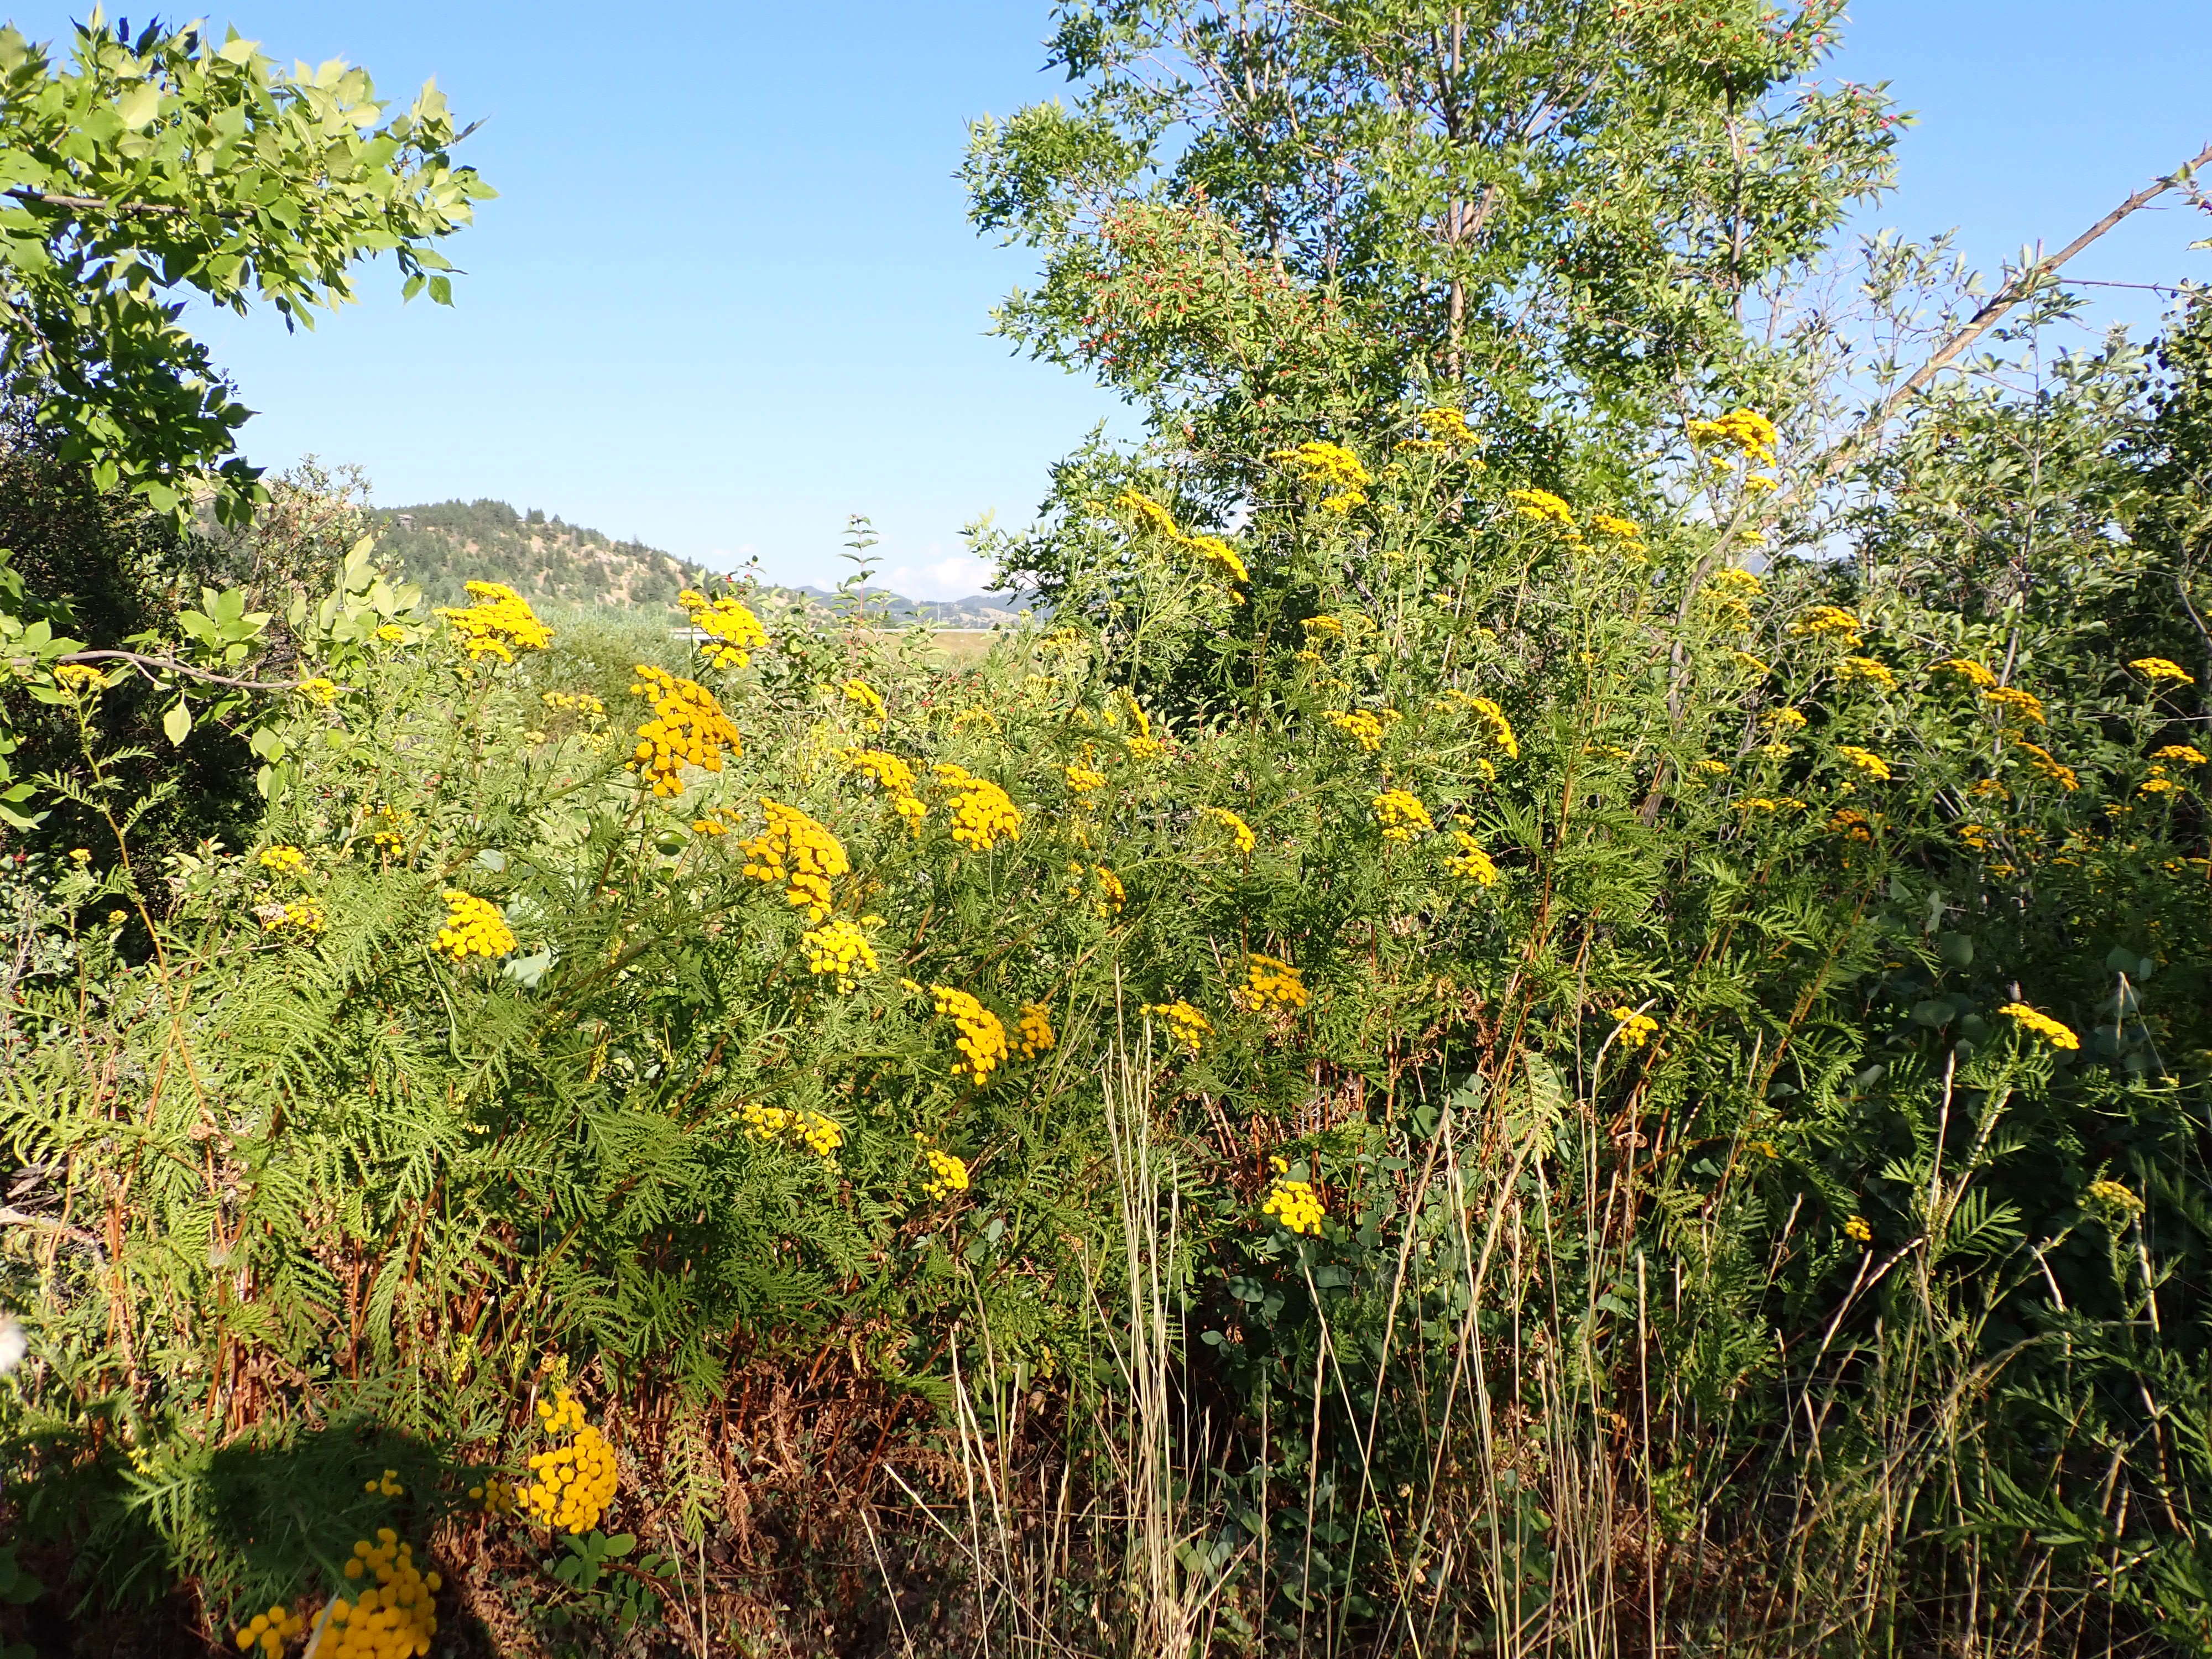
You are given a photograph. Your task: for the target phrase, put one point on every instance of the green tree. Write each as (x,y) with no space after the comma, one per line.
(153,169)
(1542,210)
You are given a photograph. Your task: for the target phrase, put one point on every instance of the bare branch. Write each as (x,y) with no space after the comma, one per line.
(170,666)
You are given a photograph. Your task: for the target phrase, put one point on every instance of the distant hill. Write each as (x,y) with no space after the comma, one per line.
(443,545)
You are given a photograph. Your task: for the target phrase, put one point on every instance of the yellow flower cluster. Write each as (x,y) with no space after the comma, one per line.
(1967,669)
(271,1630)
(1322,627)
(2041,1025)
(2158,784)
(1542,506)
(1742,429)
(1295,1204)
(76,680)
(388,827)
(575,1485)
(474,927)
(1976,836)
(1856,1230)
(1033,1028)
(733,631)
(817,1134)
(285,860)
(1826,622)
(1735,584)
(1270,983)
(1495,725)
(1361,728)
(688,728)
(1866,668)
(317,690)
(1083,779)
(798,854)
(1240,833)
(1330,467)
(500,623)
(386,1485)
(1144,746)
(1210,551)
(982,1038)
(1621,530)
(2155,669)
(1471,863)
(394,1617)
(1446,426)
(860,692)
(1112,895)
(947,1174)
(2112,1196)
(2188,754)
(1865,760)
(1402,815)
(498,1497)
(1785,719)
(983,813)
(1851,824)
(894,778)
(2010,699)
(1185,1024)
(839,947)
(574,702)
(2047,765)
(1634,1030)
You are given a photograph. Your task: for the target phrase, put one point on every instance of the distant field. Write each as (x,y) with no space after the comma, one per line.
(962,646)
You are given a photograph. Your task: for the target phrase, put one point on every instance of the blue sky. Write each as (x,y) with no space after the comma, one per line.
(728,294)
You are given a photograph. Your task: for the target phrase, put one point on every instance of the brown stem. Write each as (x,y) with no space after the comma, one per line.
(170,665)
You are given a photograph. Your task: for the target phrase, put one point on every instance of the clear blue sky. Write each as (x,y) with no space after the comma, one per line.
(727,294)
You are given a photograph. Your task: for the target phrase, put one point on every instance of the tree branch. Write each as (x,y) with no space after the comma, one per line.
(170,665)
(1986,317)
(89,203)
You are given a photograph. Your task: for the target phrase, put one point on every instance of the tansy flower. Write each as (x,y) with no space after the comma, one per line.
(574,1483)
(1495,725)
(1211,552)
(1867,669)
(2158,783)
(2041,1025)
(2155,669)
(859,692)
(1865,760)
(76,680)
(2042,760)
(1402,815)
(1295,1204)
(810,1131)
(980,1035)
(1634,1030)
(1749,664)
(1825,622)
(894,778)
(1446,426)
(2018,704)
(2114,1199)
(1735,583)
(1083,779)
(1240,833)
(1270,983)
(688,728)
(947,1174)
(1543,507)
(839,947)
(1361,728)
(1330,468)
(1743,429)
(474,927)
(286,860)
(1322,627)
(1187,1024)
(317,690)
(1709,768)
(798,854)
(392,634)
(730,630)
(2187,754)
(1471,863)
(1034,1031)
(293,915)
(983,813)
(1622,530)
(1967,669)
(500,623)
(1856,1230)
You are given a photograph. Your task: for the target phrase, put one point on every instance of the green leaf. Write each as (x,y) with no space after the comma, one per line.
(139,106)
(176,724)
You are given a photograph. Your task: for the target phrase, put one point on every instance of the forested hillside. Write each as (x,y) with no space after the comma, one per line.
(444,545)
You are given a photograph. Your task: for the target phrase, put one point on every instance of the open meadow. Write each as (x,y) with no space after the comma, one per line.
(1558,1004)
